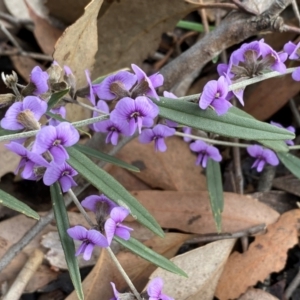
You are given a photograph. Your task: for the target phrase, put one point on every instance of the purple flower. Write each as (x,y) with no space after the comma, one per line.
(289,128)
(215,95)
(252,59)
(25,114)
(61,112)
(91,96)
(102,106)
(154,290)
(146,85)
(90,239)
(294,54)
(262,156)
(137,113)
(187,130)
(113,225)
(94,202)
(39,79)
(54,139)
(116,293)
(205,152)
(115,86)
(62,173)
(157,134)
(113,130)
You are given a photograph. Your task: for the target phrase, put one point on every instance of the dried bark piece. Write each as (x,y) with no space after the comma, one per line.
(267,254)
(191,211)
(203,265)
(287,183)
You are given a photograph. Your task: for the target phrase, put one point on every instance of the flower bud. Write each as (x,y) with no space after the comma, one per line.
(7,100)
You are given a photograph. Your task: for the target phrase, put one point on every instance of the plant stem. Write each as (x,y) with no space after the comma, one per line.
(90,107)
(122,271)
(79,206)
(212,141)
(243,84)
(26,134)
(296,147)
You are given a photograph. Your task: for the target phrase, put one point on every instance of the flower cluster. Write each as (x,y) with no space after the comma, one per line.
(154,291)
(109,219)
(46,156)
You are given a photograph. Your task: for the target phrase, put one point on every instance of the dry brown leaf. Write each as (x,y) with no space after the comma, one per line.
(9,160)
(24,65)
(45,33)
(174,170)
(76,48)
(253,294)
(129,181)
(130,33)
(267,254)
(191,211)
(67,11)
(203,265)
(97,284)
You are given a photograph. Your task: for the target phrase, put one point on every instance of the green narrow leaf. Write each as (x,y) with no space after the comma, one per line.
(215,191)
(192,26)
(141,250)
(111,188)
(15,204)
(291,162)
(105,157)
(7,132)
(230,124)
(280,146)
(62,222)
(55,97)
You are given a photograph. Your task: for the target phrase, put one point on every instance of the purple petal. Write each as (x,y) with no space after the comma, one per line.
(40,80)
(214,153)
(110,228)
(289,47)
(123,233)
(114,136)
(171,123)
(270,157)
(157,80)
(255,150)
(169,95)
(187,130)
(118,214)
(146,136)
(10,119)
(28,170)
(59,153)
(209,93)
(204,160)
(81,249)
(200,158)
(77,233)
(240,95)
(67,133)
(97,238)
(295,76)
(222,87)
(163,130)
(66,182)
(221,106)
(36,105)
(222,69)
(198,146)
(124,108)
(44,139)
(87,254)
(155,287)
(17,148)
(116,293)
(91,96)
(90,202)
(51,175)
(67,70)
(160,145)
(260,165)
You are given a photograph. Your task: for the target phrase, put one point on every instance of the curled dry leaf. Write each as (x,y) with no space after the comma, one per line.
(77,48)
(203,265)
(267,254)
(129,33)
(191,211)
(165,170)
(252,294)
(97,284)
(45,33)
